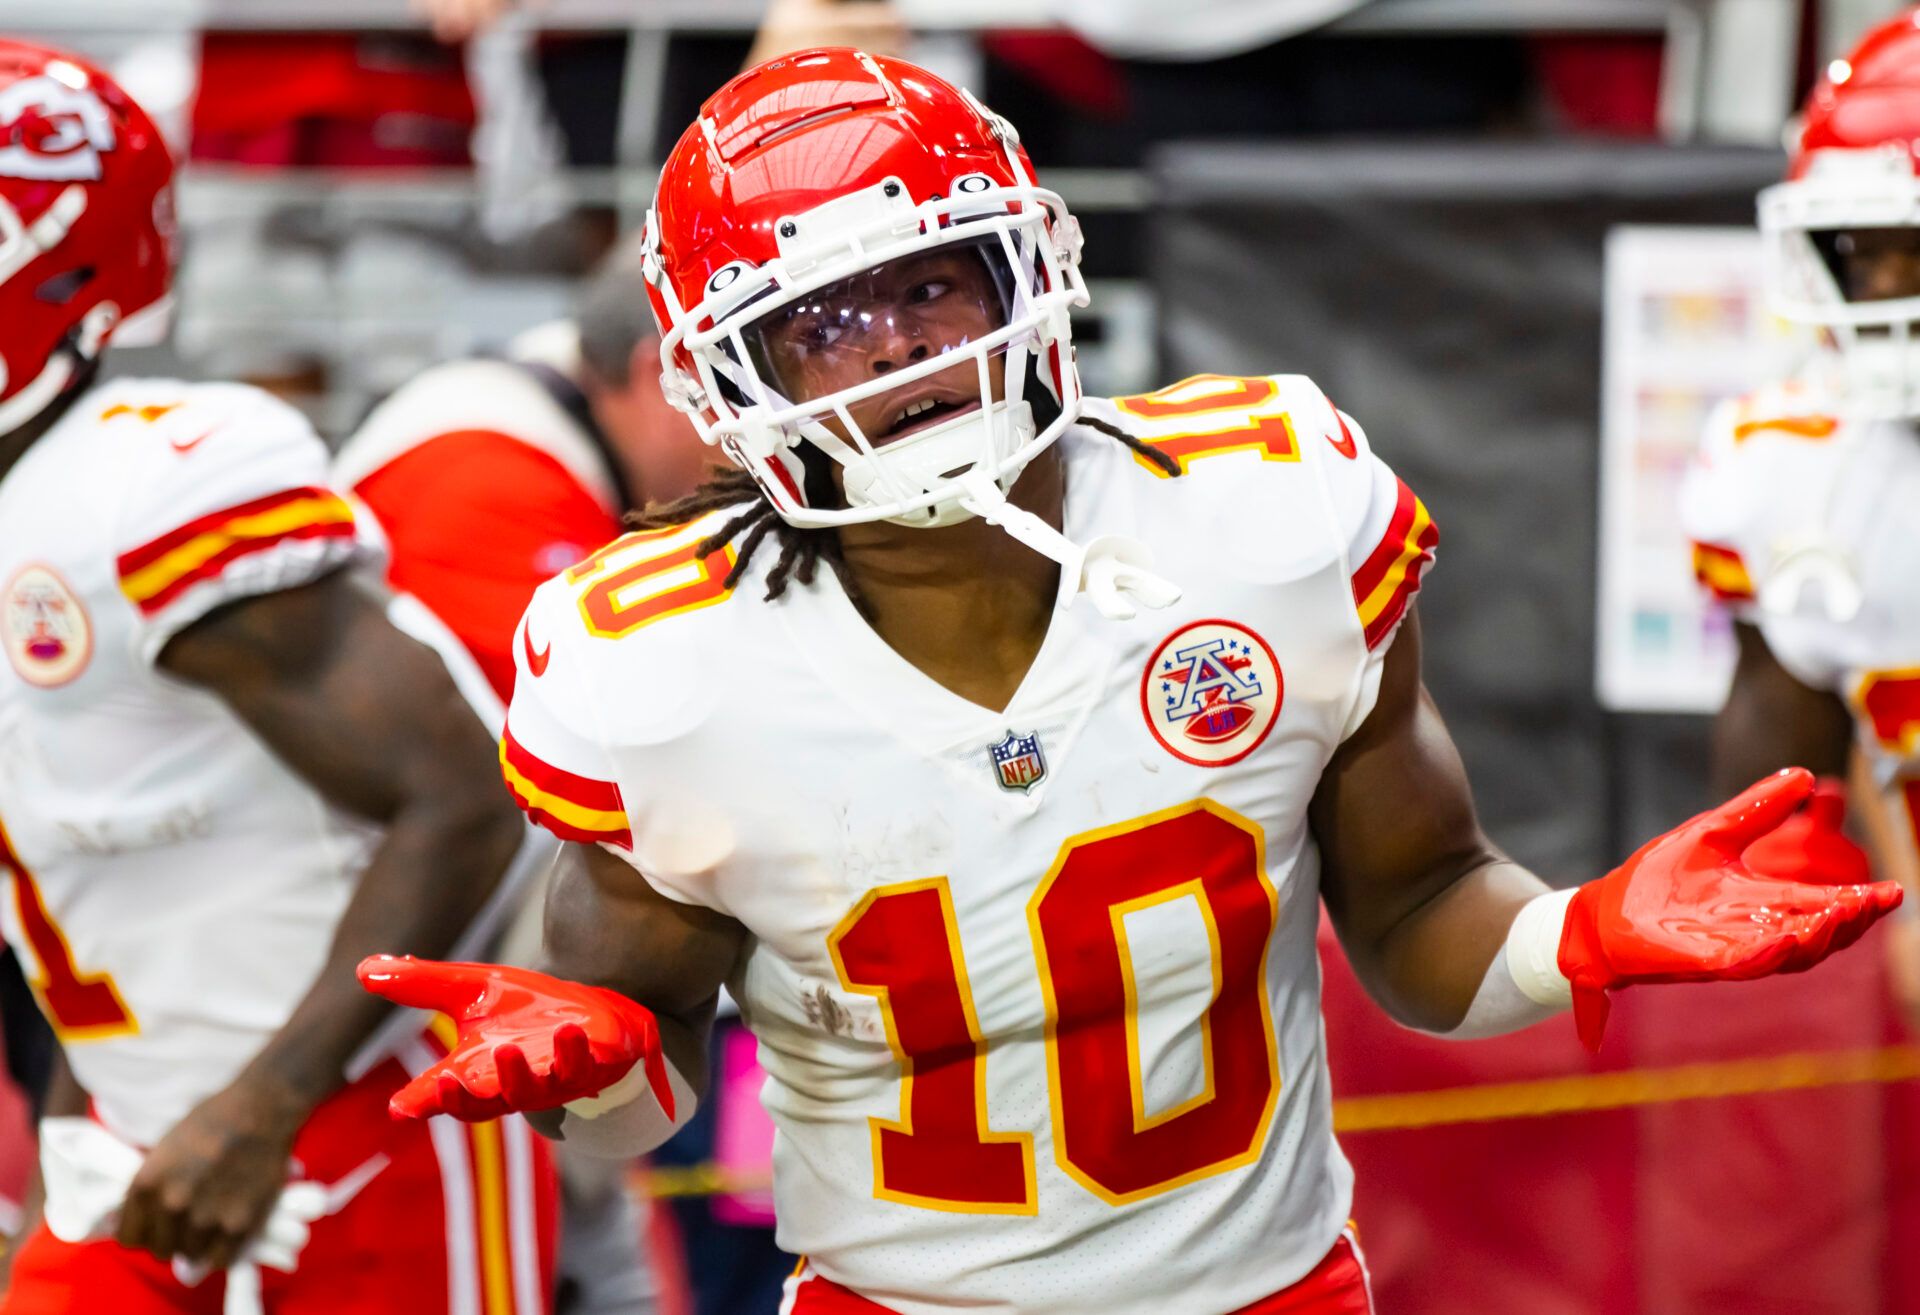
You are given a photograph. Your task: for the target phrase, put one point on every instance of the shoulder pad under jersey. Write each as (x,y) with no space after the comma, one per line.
(1288,424)
(1757,476)
(623,635)
(224,495)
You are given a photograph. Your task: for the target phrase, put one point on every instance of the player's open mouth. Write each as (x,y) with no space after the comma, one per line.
(923,413)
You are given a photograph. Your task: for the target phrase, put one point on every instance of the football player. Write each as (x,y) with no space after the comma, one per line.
(996,746)
(1804,504)
(227,771)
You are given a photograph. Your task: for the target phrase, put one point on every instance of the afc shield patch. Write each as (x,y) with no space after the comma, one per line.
(1211,692)
(44,627)
(1018,763)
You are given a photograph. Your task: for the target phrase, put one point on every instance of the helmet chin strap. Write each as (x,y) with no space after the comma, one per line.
(920,462)
(1113,570)
(40,393)
(1815,563)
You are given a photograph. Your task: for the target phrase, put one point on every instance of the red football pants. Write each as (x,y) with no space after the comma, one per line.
(461,1220)
(1336,1286)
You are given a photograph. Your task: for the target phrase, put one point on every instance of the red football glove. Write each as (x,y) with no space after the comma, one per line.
(527,1041)
(1810,846)
(1687,908)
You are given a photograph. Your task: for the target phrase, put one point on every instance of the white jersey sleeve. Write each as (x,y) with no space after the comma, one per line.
(1757,507)
(1382,535)
(555,762)
(1387,536)
(1723,509)
(230,500)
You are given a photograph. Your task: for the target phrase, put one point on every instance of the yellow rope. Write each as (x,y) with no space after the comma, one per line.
(708,1179)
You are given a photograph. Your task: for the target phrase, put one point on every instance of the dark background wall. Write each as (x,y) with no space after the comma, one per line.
(1448,296)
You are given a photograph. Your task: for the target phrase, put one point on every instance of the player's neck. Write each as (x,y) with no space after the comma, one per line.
(967,604)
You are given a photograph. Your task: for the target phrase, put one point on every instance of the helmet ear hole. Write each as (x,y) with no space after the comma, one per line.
(1039,392)
(819,485)
(63,288)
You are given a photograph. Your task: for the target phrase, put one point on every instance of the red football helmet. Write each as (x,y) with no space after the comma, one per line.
(1855,167)
(86,221)
(829,200)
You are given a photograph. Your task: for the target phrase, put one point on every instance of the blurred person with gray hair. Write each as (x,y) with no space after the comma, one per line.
(489,474)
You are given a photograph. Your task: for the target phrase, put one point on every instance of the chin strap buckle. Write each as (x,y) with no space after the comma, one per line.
(682,391)
(1812,562)
(1115,572)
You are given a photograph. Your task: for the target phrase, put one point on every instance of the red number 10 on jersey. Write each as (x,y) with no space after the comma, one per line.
(901,945)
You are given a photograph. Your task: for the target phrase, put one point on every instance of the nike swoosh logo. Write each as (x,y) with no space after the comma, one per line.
(190,444)
(536,662)
(1344,444)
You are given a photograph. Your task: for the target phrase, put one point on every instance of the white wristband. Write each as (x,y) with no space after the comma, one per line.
(1533,949)
(626,1119)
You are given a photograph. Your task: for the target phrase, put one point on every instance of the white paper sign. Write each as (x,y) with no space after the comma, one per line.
(1684,327)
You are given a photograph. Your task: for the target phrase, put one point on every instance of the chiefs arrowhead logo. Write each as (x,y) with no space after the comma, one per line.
(52,132)
(536,662)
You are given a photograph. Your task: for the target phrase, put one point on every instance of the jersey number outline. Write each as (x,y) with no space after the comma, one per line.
(1890,701)
(648,576)
(80,1006)
(941,1154)
(1262,425)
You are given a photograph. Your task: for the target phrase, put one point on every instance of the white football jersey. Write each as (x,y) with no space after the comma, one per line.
(174,885)
(1804,524)
(1035,990)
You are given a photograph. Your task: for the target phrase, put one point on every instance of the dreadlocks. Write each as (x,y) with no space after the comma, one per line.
(1139,447)
(801,551)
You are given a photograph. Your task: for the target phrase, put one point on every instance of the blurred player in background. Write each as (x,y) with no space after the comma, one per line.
(228,768)
(1804,506)
(995,746)
(488,475)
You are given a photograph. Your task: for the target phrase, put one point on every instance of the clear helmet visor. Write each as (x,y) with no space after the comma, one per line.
(908,373)
(847,338)
(1870,264)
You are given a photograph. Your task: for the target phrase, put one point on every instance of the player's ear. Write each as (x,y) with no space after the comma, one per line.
(643,367)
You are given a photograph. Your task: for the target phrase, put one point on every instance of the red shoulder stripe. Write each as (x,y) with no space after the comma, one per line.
(1388,550)
(214,565)
(148,553)
(572,807)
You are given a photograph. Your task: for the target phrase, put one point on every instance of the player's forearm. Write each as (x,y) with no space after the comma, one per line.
(435,870)
(1432,966)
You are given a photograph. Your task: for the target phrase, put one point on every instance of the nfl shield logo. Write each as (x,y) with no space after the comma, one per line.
(1018,763)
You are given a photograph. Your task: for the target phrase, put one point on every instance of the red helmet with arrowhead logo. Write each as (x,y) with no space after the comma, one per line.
(86,221)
